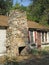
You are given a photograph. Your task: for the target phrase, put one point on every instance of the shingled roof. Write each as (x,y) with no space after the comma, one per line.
(31,24)
(3,20)
(37,26)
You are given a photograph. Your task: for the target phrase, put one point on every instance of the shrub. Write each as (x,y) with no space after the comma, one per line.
(39,52)
(34,51)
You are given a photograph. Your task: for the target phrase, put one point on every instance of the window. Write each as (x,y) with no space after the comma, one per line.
(31,36)
(46,36)
(42,36)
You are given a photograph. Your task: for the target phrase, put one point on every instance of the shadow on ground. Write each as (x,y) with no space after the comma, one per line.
(32,61)
(39,58)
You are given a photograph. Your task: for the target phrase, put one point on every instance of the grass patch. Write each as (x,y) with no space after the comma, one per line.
(34,51)
(42,52)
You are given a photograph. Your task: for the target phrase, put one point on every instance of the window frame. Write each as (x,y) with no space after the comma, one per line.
(44,38)
(41,37)
(31,37)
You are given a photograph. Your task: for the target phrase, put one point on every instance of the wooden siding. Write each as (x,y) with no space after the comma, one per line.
(38,39)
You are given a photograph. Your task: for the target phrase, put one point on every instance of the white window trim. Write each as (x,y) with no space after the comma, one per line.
(33,36)
(41,38)
(44,38)
(30,35)
(47,37)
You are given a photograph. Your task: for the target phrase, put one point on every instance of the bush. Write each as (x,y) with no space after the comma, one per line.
(44,52)
(35,52)
(39,52)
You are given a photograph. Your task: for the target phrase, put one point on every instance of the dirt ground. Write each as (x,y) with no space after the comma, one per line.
(2,59)
(36,61)
(28,60)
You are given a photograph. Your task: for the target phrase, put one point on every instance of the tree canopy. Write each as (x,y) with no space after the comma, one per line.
(5,6)
(19,6)
(38,11)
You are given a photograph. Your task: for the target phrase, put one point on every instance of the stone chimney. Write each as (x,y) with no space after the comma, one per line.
(17,33)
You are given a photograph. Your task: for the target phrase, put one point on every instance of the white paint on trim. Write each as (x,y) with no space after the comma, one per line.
(43,46)
(29,36)
(47,36)
(36,39)
(34,36)
(44,36)
(41,38)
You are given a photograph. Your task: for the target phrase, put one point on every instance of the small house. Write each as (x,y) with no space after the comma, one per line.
(38,34)
(16,31)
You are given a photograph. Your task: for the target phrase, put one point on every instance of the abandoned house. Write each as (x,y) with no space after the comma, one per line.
(38,34)
(16,32)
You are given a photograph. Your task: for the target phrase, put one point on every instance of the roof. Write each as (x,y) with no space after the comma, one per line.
(3,20)
(34,25)
(31,24)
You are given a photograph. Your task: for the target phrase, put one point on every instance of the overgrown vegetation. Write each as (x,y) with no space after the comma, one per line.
(38,11)
(42,52)
(18,6)
(5,6)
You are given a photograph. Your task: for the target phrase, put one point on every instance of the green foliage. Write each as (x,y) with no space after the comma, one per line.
(5,6)
(38,11)
(34,52)
(39,52)
(18,6)
(43,52)
(45,17)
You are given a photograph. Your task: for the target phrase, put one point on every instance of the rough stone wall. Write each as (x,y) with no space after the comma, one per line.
(17,32)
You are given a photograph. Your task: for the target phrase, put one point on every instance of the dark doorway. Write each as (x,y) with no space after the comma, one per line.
(20,49)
